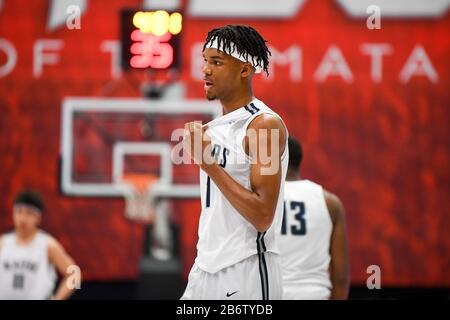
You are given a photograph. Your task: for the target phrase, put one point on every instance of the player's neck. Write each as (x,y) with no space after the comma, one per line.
(24,238)
(237,101)
(292,176)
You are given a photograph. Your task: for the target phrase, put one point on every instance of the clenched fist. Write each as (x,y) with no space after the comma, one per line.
(197,143)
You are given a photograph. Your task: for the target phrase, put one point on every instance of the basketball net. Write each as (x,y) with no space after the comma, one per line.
(143,207)
(139,204)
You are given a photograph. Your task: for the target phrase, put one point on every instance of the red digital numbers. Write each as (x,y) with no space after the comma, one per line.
(150,51)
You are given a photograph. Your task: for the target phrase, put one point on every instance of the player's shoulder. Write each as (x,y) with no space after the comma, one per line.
(54,248)
(309,187)
(310,184)
(4,236)
(264,113)
(331,197)
(266,121)
(52,240)
(52,243)
(334,205)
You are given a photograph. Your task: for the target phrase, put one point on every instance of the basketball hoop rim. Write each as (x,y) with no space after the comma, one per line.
(140,182)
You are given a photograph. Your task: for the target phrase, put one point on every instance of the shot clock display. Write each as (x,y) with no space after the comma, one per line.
(150,39)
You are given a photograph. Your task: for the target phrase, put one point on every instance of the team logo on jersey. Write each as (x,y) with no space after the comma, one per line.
(220,154)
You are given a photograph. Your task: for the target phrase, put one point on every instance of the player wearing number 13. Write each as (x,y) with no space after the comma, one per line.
(313,241)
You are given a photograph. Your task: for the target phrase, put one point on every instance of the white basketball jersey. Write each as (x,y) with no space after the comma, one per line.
(25,271)
(225,236)
(305,241)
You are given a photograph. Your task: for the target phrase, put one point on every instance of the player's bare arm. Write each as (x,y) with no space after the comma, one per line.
(258,204)
(62,261)
(339,265)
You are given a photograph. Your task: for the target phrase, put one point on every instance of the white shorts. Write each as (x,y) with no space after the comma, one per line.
(256,278)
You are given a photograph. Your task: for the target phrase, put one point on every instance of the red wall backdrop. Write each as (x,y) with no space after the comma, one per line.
(383,147)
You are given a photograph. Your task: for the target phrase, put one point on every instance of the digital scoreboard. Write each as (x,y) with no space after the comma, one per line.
(150,39)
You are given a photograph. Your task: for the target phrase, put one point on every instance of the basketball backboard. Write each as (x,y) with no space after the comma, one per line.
(104,139)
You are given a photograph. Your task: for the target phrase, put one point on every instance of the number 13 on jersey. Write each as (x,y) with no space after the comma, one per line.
(298,211)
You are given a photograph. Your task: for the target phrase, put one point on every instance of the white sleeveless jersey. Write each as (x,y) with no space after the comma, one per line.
(25,271)
(225,236)
(305,241)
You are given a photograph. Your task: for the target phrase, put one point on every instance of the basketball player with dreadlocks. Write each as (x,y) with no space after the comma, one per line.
(243,163)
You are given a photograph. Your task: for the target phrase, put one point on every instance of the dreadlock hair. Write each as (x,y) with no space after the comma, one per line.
(247,40)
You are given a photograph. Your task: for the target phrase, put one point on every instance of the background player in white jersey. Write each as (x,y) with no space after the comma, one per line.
(313,241)
(241,194)
(28,256)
